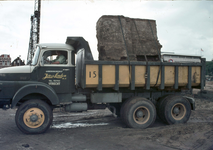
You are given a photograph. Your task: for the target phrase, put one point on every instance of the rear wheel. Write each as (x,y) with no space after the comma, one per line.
(176,109)
(34,116)
(123,107)
(159,108)
(139,113)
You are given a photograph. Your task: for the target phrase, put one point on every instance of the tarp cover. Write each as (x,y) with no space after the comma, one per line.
(140,36)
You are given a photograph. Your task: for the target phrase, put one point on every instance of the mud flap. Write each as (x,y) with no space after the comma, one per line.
(191,101)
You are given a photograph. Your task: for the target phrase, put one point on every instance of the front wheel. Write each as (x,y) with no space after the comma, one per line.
(33,117)
(139,113)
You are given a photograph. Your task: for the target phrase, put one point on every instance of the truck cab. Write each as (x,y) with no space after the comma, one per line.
(61,77)
(58,78)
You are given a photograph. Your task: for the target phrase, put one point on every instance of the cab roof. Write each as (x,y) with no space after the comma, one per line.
(56,46)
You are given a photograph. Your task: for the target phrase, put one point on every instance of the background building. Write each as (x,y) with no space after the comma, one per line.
(5,60)
(18,62)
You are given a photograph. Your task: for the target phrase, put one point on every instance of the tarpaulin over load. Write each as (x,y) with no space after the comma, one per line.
(120,37)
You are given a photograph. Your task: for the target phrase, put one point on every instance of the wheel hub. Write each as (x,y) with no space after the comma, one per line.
(34,118)
(139,114)
(176,110)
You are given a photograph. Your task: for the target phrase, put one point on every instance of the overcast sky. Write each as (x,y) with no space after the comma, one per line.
(183,27)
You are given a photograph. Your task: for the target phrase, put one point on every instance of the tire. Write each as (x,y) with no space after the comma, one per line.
(139,113)
(34,117)
(160,108)
(176,110)
(123,108)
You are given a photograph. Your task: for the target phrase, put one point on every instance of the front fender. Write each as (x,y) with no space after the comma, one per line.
(35,88)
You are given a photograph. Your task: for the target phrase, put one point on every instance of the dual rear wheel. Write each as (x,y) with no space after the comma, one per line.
(138,112)
(174,109)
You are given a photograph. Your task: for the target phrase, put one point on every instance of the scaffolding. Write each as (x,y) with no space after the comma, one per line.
(34,31)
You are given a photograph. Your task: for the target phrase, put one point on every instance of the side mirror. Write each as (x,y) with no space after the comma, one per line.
(42,61)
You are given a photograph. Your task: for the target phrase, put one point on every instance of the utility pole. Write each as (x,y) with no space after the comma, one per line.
(34,31)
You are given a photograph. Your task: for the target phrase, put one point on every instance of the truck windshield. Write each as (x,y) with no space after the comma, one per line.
(35,58)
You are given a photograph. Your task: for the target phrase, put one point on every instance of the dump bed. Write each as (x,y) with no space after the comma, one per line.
(136,74)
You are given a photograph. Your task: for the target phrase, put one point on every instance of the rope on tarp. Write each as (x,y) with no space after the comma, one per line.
(159,57)
(140,41)
(124,39)
(125,45)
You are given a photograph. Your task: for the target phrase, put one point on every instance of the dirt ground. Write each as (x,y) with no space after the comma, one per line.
(95,130)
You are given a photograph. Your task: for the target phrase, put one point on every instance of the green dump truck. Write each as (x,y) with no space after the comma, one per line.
(136,91)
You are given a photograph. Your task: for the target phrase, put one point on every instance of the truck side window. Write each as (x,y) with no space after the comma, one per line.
(55,57)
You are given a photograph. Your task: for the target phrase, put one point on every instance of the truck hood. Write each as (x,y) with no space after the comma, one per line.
(18,69)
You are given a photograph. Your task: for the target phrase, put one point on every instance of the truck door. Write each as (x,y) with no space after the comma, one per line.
(56,71)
